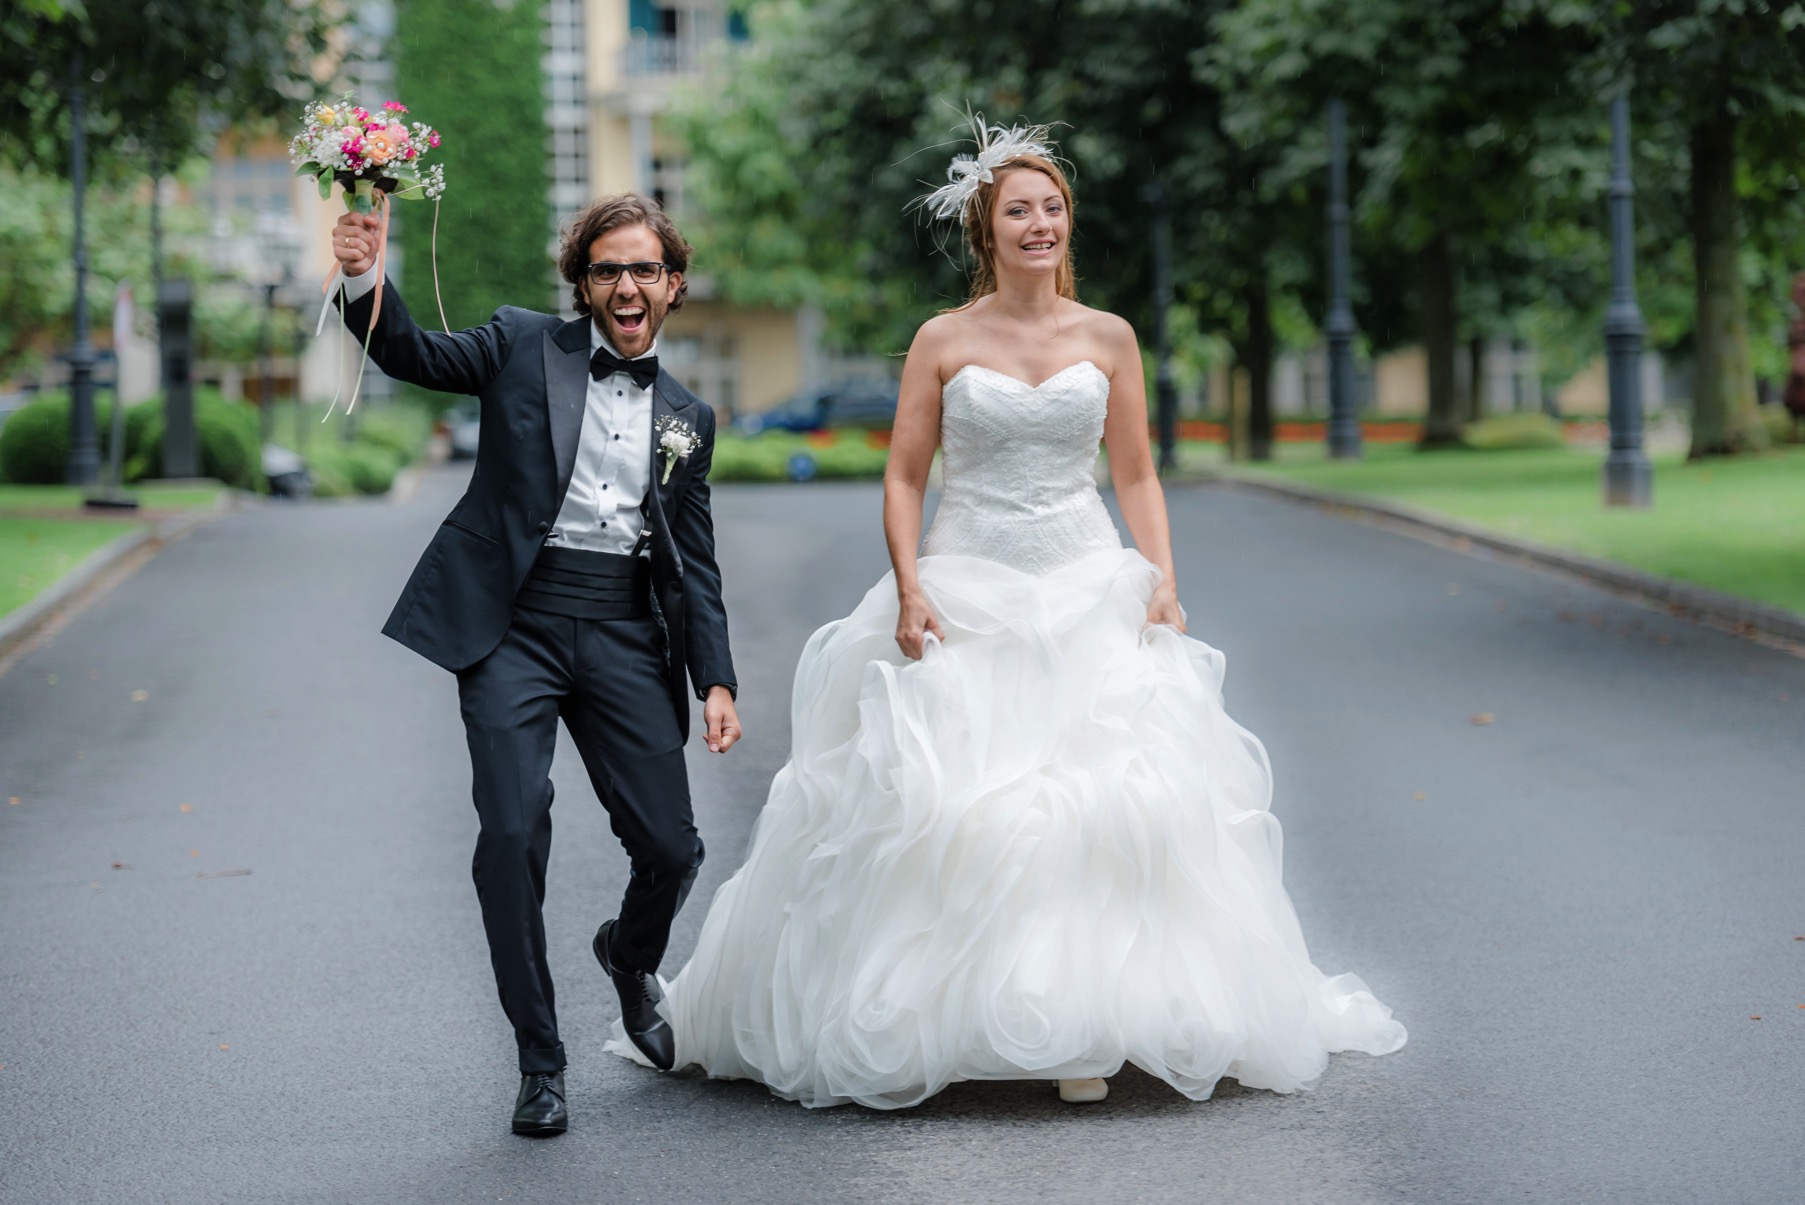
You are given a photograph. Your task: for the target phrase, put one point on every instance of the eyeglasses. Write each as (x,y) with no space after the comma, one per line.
(645,272)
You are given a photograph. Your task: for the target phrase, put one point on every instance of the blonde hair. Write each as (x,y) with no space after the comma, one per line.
(980,234)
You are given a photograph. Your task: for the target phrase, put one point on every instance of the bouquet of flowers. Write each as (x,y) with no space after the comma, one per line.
(376,157)
(367,152)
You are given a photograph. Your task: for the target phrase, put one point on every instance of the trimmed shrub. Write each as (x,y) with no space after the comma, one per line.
(401,428)
(766,457)
(228,432)
(341,470)
(1514,432)
(1782,428)
(34,443)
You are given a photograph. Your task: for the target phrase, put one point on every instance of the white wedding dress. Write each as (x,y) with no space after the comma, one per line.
(1039,852)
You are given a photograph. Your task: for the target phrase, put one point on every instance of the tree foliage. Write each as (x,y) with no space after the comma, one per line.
(159,76)
(471,69)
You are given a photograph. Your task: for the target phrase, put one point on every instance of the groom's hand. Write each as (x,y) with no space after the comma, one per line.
(723,719)
(354,243)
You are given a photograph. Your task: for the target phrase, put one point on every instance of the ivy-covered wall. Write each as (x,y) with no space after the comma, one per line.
(471,69)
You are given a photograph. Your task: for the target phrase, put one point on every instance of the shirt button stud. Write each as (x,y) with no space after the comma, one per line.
(544,527)
(617,437)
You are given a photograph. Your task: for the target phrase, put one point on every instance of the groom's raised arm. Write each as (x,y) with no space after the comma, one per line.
(459,362)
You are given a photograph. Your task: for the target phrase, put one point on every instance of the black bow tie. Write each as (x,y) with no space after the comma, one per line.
(605,363)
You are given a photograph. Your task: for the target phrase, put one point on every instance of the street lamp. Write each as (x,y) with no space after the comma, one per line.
(1344,425)
(276,245)
(83,464)
(1628,477)
(1166,392)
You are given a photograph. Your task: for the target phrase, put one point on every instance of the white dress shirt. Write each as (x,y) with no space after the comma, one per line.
(613,467)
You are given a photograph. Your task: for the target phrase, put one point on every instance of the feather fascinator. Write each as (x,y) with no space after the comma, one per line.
(997,145)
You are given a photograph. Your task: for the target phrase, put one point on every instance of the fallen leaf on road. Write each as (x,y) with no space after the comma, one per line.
(187,807)
(1483,718)
(138,696)
(194,853)
(1420,795)
(122,866)
(1566,617)
(93,675)
(50,678)
(13,799)
(1453,589)
(220,874)
(1754,1018)
(223,1046)
(1503,606)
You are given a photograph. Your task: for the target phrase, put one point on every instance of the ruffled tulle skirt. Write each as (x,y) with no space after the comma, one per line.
(1040,852)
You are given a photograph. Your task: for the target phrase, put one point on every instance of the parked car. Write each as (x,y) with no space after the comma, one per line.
(867,403)
(463,422)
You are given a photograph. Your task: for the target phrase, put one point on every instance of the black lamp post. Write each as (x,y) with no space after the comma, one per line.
(1166,392)
(83,465)
(1344,423)
(1628,477)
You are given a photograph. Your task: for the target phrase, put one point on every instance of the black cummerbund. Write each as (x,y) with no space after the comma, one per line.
(588,585)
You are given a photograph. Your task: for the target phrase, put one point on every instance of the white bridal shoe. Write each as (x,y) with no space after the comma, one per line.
(1082,1091)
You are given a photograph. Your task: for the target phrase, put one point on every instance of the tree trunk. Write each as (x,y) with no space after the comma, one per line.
(1475,378)
(1435,261)
(1259,371)
(1724,418)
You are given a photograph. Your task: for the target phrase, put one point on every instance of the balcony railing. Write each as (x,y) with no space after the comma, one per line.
(661,54)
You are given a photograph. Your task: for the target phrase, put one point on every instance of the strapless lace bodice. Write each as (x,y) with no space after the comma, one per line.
(1017,465)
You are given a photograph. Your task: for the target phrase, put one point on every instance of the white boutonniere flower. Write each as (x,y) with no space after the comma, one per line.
(676,439)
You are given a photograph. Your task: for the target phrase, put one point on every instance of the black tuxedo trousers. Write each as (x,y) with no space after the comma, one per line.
(598,676)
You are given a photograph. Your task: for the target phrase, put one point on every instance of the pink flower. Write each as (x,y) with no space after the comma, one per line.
(397,133)
(433,140)
(361,113)
(394,106)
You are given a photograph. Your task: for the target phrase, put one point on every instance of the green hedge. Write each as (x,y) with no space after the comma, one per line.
(341,470)
(1781,426)
(229,433)
(34,443)
(767,457)
(1514,432)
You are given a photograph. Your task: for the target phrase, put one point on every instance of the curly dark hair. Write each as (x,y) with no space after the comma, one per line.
(611,213)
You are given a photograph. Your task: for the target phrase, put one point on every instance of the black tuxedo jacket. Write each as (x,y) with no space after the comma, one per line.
(531,374)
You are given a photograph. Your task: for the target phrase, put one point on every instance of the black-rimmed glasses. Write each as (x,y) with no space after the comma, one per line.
(645,272)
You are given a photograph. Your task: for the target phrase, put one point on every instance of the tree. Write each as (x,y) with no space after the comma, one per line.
(471,69)
(803,180)
(1456,106)
(1725,79)
(156,73)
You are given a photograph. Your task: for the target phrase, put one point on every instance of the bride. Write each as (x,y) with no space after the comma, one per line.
(1018,836)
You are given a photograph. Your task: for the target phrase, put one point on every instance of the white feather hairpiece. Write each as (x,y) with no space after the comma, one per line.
(997,145)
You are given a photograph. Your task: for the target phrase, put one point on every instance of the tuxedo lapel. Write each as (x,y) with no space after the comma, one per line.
(662,408)
(566,393)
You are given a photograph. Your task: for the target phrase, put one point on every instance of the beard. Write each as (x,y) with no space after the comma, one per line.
(630,333)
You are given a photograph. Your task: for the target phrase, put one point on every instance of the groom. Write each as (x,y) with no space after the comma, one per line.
(575,580)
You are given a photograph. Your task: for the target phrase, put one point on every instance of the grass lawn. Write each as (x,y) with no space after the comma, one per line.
(69,497)
(1736,525)
(36,553)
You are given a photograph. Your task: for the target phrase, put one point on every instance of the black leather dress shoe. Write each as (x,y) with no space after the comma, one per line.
(640,996)
(539,1110)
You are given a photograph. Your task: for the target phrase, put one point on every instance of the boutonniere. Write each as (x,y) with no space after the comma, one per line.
(676,439)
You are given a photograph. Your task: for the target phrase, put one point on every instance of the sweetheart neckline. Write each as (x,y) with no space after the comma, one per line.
(1030,388)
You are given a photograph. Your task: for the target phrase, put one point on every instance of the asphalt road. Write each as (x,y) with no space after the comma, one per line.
(1578,908)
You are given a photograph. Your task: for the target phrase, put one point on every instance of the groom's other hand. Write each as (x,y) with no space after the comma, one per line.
(354,243)
(723,719)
